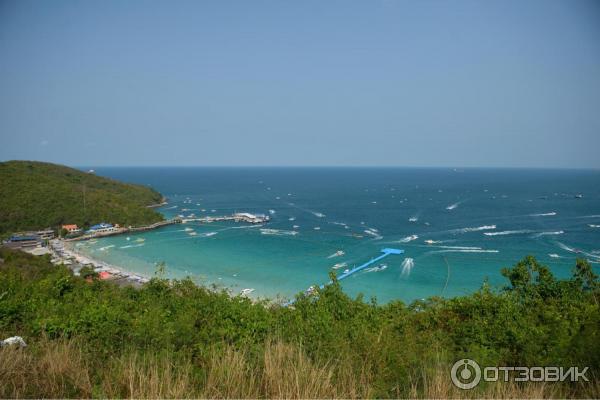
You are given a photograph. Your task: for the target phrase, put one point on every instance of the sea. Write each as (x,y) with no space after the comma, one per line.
(457,227)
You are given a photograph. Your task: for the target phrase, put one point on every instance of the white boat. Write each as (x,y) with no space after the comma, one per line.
(140,240)
(340,265)
(193,233)
(429,241)
(271,212)
(247,291)
(317,228)
(296,226)
(188,229)
(413,219)
(346,271)
(337,254)
(292,219)
(554,255)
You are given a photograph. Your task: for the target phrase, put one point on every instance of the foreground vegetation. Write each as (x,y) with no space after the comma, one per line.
(35,195)
(174,339)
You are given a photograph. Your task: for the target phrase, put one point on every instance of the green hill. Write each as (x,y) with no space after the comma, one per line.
(36,195)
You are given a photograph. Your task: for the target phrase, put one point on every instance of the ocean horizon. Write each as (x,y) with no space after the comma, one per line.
(457,226)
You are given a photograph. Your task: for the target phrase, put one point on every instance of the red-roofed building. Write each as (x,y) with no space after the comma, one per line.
(104,275)
(72,228)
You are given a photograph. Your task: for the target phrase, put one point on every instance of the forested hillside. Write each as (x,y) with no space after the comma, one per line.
(36,195)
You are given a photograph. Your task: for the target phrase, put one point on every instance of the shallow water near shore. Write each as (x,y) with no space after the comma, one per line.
(459,227)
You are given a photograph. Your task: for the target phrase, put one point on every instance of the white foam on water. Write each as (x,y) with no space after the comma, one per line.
(459,247)
(466,251)
(507,232)
(408,239)
(209,234)
(407,266)
(567,248)
(106,247)
(547,233)
(277,232)
(453,206)
(132,245)
(548,214)
(474,229)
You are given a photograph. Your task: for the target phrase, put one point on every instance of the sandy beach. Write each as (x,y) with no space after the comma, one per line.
(67,253)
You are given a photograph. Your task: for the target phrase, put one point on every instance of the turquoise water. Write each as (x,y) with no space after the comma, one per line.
(480,220)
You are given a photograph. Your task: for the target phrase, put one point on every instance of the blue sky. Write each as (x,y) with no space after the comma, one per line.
(407,83)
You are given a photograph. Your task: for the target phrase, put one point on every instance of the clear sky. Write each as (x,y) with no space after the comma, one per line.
(407,83)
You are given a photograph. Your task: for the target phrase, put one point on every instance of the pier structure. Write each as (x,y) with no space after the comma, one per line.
(386,252)
(237,217)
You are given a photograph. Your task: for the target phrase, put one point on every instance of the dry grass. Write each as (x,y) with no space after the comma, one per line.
(289,373)
(54,369)
(148,376)
(57,369)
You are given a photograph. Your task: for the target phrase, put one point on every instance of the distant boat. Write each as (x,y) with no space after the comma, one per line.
(413,219)
(271,212)
(579,196)
(247,291)
(340,265)
(337,254)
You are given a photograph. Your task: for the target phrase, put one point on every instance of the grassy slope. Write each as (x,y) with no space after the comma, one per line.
(37,195)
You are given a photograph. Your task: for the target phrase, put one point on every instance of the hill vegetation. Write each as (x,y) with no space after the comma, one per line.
(35,195)
(175,339)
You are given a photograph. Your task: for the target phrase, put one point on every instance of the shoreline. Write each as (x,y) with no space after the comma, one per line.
(66,253)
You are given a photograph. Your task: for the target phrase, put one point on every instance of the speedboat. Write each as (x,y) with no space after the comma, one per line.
(247,291)
(340,265)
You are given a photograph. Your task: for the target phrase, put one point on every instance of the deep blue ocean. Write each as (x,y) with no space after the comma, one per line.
(457,227)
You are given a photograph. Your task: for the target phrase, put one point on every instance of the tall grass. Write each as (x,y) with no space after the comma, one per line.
(58,369)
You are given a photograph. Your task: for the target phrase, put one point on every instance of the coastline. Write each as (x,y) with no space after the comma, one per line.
(67,253)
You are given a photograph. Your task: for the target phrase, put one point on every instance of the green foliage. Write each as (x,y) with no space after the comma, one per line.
(35,195)
(538,320)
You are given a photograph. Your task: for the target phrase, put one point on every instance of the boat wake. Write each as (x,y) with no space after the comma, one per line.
(453,206)
(132,245)
(408,239)
(474,229)
(540,234)
(407,266)
(337,254)
(466,251)
(549,214)
(277,232)
(507,232)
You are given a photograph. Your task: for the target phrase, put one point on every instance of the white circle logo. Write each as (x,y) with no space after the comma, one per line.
(465,374)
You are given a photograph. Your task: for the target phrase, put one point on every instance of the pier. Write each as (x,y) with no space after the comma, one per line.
(386,252)
(237,217)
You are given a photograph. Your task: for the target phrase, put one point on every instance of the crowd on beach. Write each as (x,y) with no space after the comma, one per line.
(68,256)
